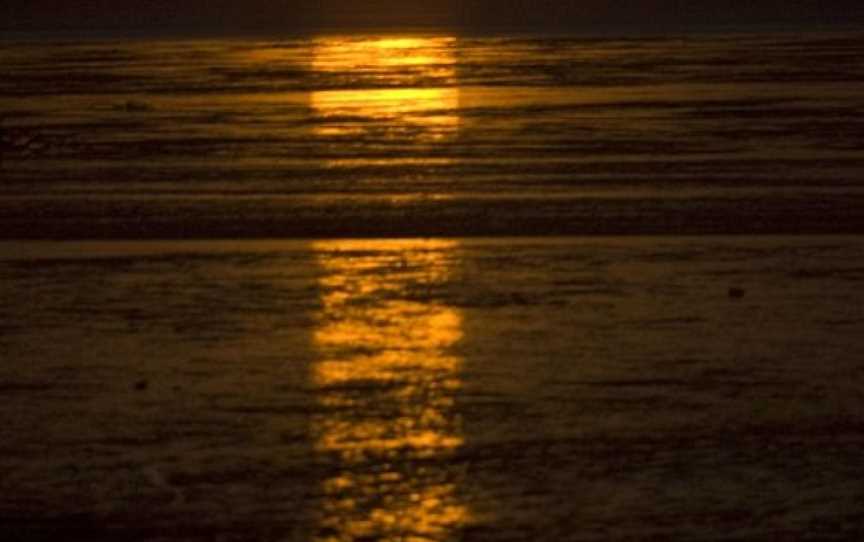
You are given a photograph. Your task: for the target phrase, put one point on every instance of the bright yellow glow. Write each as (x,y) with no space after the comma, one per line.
(395,95)
(386,384)
(376,53)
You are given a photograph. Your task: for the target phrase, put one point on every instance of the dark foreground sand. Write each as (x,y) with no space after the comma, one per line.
(644,388)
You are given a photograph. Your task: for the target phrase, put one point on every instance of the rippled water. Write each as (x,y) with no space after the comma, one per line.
(509,389)
(432,134)
(324,387)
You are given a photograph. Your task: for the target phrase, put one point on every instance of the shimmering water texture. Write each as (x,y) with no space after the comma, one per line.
(437,390)
(429,135)
(429,383)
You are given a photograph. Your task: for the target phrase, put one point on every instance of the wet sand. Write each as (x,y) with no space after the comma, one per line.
(569,388)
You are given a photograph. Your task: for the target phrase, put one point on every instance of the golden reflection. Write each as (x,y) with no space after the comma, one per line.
(386,383)
(389,86)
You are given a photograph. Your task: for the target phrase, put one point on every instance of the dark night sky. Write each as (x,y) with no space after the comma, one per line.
(291,16)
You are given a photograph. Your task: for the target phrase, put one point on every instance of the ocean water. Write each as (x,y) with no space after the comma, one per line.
(357,288)
(432,134)
(580,389)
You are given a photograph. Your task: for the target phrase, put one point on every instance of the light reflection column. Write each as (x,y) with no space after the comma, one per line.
(385,383)
(396,96)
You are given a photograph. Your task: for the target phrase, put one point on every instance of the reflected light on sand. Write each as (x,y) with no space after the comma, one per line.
(398,87)
(386,382)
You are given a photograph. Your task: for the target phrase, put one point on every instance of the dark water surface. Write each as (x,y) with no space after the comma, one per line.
(449,377)
(510,389)
(432,135)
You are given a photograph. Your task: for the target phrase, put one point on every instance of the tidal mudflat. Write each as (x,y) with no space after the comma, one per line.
(564,388)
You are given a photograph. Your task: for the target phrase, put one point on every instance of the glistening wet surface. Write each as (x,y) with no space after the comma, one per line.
(413,135)
(487,389)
